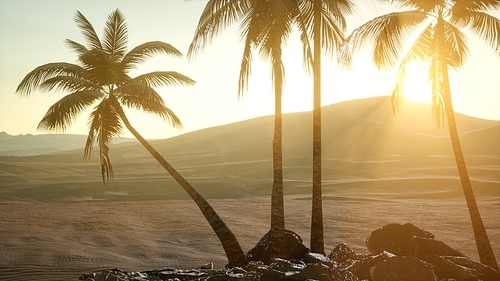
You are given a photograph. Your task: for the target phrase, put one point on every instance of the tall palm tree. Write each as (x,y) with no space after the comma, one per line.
(264,25)
(328,25)
(440,43)
(100,78)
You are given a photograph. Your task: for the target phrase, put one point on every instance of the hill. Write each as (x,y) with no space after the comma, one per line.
(29,145)
(368,152)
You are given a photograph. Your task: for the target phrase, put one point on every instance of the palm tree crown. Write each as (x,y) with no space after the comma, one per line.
(438,25)
(100,78)
(440,43)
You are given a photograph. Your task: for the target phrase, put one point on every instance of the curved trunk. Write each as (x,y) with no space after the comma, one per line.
(485,251)
(486,254)
(277,204)
(317,238)
(232,248)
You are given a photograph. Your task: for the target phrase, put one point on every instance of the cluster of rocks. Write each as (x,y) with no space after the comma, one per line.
(399,252)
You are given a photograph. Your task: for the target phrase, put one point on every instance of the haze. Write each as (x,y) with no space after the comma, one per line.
(32,34)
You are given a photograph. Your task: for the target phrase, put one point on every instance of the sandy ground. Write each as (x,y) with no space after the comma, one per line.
(59,241)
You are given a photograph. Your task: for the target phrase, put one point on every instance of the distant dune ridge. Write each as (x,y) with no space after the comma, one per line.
(378,168)
(364,145)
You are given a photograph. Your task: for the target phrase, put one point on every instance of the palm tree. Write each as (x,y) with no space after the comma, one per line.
(101,79)
(440,43)
(265,26)
(328,25)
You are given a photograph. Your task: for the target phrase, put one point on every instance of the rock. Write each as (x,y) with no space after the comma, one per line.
(341,253)
(402,268)
(395,238)
(361,268)
(447,269)
(425,247)
(272,275)
(315,258)
(462,268)
(316,271)
(209,266)
(294,247)
(486,273)
(348,276)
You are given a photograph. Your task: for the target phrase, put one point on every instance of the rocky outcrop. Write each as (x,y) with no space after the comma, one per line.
(294,248)
(399,252)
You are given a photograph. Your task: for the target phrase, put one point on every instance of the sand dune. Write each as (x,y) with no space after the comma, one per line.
(363,141)
(58,218)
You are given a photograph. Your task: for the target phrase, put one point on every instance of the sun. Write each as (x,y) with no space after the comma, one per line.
(416,86)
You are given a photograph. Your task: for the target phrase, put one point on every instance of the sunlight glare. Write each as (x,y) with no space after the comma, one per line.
(416,86)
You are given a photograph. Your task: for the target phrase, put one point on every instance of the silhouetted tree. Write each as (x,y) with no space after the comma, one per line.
(100,78)
(265,25)
(441,44)
(328,25)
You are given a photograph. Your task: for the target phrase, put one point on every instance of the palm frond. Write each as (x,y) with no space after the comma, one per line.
(77,47)
(67,84)
(485,26)
(435,76)
(140,96)
(115,36)
(217,15)
(456,46)
(88,31)
(333,23)
(421,5)
(475,5)
(387,31)
(303,16)
(37,76)
(245,68)
(164,78)
(104,124)
(421,50)
(147,50)
(62,113)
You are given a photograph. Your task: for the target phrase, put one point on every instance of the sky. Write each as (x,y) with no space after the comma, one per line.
(32,33)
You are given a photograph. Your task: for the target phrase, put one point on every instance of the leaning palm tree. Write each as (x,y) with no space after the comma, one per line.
(100,78)
(441,44)
(264,26)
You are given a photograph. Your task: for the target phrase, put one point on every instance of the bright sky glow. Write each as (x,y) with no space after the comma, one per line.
(32,33)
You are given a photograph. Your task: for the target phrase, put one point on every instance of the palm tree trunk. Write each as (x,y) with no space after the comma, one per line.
(277,204)
(485,251)
(317,238)
(232,248)
(486,254)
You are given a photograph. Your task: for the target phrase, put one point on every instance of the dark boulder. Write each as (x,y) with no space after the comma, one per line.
(361,268)
(395,238)
(294,248)
(462,268)
(425,247)
(342,253)
(315,258)
(403,268)
(408,240)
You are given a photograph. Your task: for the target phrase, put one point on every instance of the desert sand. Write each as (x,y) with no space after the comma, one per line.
(59,241)
(58,220)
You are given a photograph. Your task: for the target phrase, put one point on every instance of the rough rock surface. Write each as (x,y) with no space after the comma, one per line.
(393,258)
(295,249)
(402,268)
